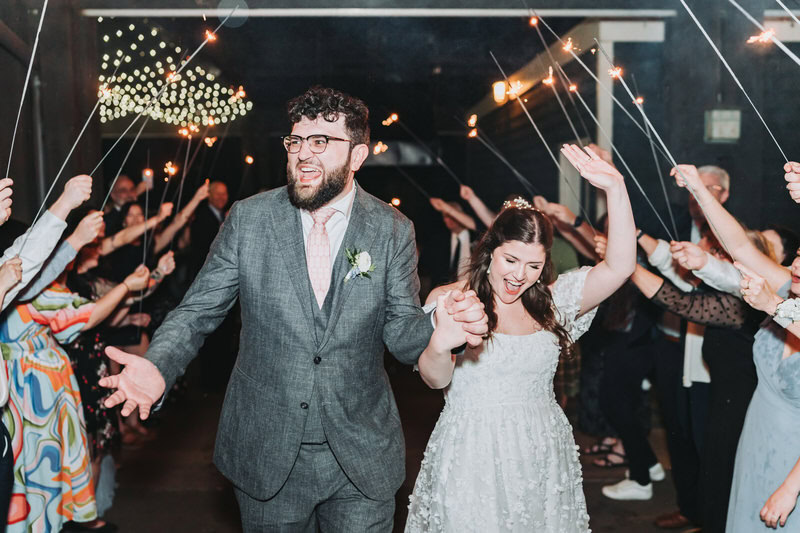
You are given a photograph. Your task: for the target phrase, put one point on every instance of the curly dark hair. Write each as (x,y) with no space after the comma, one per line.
(528,226)
(330,104)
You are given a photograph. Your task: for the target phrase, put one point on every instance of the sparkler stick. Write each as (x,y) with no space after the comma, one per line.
(124,160)
(435,156)
(144,239)
(25,86)
(180,187)
(412,182)
(546,146)
(624,163)
(219,150)
(484,140)
(602,86)
(210,35)
(199,145)
(639,105)
(771,36)
(658,166)
(733,75)
(788,11)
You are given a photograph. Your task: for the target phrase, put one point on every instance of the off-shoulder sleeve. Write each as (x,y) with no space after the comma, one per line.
(567,296)
(712,308)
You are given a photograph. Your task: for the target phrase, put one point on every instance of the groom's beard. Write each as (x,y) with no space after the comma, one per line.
(333,182)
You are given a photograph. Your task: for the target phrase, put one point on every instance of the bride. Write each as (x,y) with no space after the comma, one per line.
(502,456)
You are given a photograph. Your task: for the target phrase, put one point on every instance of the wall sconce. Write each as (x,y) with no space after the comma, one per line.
(500,90)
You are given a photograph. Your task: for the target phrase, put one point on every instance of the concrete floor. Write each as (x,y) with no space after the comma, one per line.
(168,484)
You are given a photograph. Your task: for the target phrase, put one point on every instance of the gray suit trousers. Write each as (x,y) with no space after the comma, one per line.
(317,496)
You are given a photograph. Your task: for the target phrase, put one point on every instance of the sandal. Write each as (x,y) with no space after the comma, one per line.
(605,462)
(599,447)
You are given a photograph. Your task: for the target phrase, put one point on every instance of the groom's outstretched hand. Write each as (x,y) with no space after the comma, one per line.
(140,384)
(466,308)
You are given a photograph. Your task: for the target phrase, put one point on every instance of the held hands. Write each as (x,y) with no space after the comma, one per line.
(166,264)
(5,199)
(10,273)
(138,280)
(778,507)
(757,292)
(448,333)
(164,211)
(599,173)
(140,384)
(688,255)
(792,178)
(466,309)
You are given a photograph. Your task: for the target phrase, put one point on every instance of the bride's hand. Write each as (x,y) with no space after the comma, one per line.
(449,333)
(599,173)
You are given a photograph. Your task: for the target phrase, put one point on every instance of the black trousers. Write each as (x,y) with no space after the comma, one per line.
(733,381)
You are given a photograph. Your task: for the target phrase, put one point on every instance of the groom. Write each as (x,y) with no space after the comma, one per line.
(309,432)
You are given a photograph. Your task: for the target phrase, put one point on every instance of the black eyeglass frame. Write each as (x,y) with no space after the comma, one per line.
(328,138)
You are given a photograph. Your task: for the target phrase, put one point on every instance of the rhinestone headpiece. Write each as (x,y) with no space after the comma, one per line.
(519,202)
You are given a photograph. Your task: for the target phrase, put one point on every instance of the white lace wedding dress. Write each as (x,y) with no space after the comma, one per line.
(502,456)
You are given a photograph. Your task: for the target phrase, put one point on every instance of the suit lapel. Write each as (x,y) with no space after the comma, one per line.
(288,229)
(360,235)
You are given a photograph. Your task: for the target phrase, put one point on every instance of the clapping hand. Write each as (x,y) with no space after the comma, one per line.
(140,384)
(467,309)
(10,273)
(688,255)
(595,170)
(756,291)
(792,178)
(5,199)
(778,507)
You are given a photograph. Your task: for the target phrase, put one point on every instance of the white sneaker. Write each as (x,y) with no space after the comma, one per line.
(656,473)
(628,490)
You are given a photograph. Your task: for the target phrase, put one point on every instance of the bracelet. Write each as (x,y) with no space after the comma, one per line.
(578,222)
(156,275)
(788,311)
(126,286)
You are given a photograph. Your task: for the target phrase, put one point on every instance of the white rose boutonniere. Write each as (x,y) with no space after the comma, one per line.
(360,263)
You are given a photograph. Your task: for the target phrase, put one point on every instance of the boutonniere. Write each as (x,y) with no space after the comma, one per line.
(360,263)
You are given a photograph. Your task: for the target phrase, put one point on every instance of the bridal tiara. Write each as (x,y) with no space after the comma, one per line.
(519,203)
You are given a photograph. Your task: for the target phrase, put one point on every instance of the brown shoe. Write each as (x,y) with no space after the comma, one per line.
(673,520)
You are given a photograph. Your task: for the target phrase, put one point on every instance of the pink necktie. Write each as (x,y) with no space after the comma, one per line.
(318,254)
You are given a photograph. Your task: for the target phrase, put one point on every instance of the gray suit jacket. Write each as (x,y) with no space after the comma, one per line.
(259,257)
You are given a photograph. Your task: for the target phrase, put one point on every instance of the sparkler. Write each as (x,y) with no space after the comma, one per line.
(124,160)
(547,147)
(249,160)
(379,148)
(767,33)
(733,75)
(763,37)
(788,11)
(172,77)
(210,141)
(473,121)
(395,119)
(618,75)
(25,87)
(624,163)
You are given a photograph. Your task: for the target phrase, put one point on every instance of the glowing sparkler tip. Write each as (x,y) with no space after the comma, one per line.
(763,37)
(615,72)
(568,46)
(249,160)
(148,173)
(533,21)
(396,202)
(240,93)
(379,148)
(211,36)
(549,80)
(639,100)
(473,120)
(573,88)
(593,51)
(394,117)
(170,169)
(210,141)
(472,133)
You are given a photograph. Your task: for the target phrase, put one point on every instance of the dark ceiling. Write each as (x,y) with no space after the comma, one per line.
(425,69)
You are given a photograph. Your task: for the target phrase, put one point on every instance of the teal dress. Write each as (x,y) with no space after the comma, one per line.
(769,445)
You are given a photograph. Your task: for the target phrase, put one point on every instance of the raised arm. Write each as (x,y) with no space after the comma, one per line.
(163,238)
(608,275)
(728,231)
(127,235)
(485,214)
(459,216)
(573,228)
(111,300)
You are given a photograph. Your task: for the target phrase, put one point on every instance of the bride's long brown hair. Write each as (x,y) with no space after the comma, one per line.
(529,226)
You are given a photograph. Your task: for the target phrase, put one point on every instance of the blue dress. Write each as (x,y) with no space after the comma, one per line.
(770,443)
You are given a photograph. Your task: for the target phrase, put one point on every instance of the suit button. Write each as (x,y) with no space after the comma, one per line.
(317,360)
(303,405)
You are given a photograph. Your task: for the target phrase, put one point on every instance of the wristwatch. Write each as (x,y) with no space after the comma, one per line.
(578,222)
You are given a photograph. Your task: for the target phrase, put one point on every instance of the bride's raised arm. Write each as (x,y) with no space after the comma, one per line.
(620,261)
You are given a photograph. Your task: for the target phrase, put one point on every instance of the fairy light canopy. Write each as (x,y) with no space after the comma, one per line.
(137,61)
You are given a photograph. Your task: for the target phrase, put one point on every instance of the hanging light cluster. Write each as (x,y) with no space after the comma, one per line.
(144,63)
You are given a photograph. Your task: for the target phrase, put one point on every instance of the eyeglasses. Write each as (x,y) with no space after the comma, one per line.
(316,143)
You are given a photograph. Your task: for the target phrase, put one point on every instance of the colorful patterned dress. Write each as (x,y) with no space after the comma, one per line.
(52,466)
